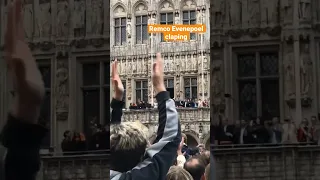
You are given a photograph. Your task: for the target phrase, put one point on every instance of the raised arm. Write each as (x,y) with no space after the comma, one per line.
(161,155)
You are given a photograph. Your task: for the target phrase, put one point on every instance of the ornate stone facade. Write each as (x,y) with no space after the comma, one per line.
(60,32)
(288,28)
(182,60)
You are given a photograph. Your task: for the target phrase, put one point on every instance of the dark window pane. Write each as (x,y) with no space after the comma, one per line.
(145,19)
(269,64)
(145,32)
(171,91)
(46,75)
(145,84)
(247,65)
(194,82)
(192,14)
(123,22)
(193,21)
(145,95)
(247,100)
(138,34)
(170,17)
(138,85)
(107,73)
(123,35)
(193,36)
(170,83)
(270,98)
(91,74)
(187,82)
(91,110)
(186,22)
(163,17)
(107,106)
(117,22)
(138,20)
(194,93)
(117,35)
(138,95)
(187,92)
(45,119)
(185,15)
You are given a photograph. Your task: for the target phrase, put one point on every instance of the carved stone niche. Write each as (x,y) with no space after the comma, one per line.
(62,89)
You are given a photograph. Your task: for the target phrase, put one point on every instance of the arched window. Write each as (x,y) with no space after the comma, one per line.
(189,14)
(120,25)
(166,15)
(141,21)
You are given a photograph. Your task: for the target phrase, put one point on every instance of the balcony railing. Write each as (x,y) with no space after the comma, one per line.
(280,162)
(152,115)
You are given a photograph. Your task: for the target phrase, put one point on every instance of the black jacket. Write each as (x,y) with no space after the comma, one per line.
(19,157)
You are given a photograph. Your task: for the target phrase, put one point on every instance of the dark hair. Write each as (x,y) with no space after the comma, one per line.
(66,133)
(196,170)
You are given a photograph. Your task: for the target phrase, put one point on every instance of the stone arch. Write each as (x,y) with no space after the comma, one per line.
(192,138)
(140,7)
(188,5)
(119,10)
(166,6)
(206,141)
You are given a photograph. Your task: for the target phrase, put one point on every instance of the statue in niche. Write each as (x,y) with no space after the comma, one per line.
(79,17)
(289,79)
(219,10)
(304,9)
(306,75)
(28,17)
(287,7)
(44,21)
(97,17)
(216,81)
(235,7)
(129,30)
(62,87)
(269,13)
(253,12)
(134,66)
(62,19)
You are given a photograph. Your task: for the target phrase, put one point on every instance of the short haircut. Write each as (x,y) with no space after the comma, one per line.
(197,169)
(178,173)
(207,172)
(128,142)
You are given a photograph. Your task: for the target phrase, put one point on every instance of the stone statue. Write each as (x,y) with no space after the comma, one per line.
(129,30)
(134,66)
(253,12)
(62,19)
(129,69)
(235,7)
(79,14)
(28,18)
(289,80)
(216,81)
(306,75)
(304,9)
(219,10)
(269,12)
(62,88)
(97,17)
(44,21)
(287,8)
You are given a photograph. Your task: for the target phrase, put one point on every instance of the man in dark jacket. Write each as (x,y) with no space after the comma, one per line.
(131,158)
(21,136)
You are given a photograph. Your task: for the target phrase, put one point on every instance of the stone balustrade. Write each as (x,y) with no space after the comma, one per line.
(264,163)
(151,115)
(80,167)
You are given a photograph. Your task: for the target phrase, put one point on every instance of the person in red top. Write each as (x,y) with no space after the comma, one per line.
(303,131)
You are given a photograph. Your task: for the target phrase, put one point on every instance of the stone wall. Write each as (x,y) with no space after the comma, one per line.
(264,163)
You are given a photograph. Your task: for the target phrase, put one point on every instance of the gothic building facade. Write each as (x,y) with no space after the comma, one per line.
(70,41)
(187,74)
(265,59)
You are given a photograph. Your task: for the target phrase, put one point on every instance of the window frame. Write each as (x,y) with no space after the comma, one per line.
(194,35)
(272,48)
(141,89)
(190,86)
(141,24)
(166,22)
(120,26)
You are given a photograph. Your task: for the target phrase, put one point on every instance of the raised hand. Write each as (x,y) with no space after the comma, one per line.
(27,80)
(116,82)
(157,76)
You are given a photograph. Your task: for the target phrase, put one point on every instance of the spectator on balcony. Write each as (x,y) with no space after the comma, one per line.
(314,130)
(259,132)
(22,135)
(303,134)
(225,133)
(178,173)
(79,142)
(195,167)
(131,157)
(67,145)
(98,141)
(277,131)
(289,131)
(241,134)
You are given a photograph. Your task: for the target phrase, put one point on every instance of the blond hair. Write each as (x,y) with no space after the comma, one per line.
(178,173)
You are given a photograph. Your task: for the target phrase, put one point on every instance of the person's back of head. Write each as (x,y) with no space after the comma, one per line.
(207,172)
(128,143)
(195,167)
(178,173)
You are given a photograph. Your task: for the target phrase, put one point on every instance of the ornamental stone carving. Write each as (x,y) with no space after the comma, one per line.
(62,89)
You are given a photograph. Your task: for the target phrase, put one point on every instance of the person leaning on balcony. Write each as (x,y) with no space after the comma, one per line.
(21,136)
(132,157)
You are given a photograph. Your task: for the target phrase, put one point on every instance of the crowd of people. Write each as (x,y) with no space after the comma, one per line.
(188,103)
(261,131)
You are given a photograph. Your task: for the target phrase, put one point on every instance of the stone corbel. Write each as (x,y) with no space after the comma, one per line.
(198,8)
(203,8)
(154,14)
(129,17)
(177,13)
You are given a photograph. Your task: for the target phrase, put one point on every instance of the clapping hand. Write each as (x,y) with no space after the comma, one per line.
(116,82)
(27,79)
(157,76)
